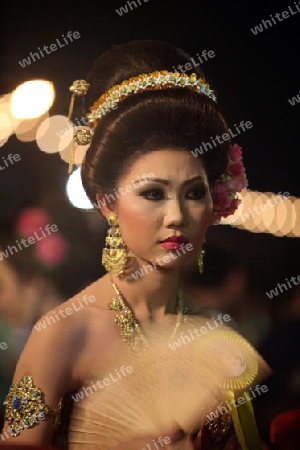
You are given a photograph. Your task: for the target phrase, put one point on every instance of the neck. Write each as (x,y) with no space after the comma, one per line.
(151,296)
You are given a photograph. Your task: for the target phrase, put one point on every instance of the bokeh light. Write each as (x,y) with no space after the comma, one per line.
(27,128)
(50,131)
(32,99)
(75,191)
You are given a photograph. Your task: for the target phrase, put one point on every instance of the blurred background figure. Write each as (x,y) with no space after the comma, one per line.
(47,254)
(281,349)
(225,285)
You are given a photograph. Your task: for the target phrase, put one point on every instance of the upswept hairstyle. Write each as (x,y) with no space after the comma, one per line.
(147,121)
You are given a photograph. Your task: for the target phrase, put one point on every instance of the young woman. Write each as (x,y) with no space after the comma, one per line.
(159,198)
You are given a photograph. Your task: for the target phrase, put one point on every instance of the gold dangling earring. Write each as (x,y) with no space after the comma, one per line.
(114,254)
(201,260)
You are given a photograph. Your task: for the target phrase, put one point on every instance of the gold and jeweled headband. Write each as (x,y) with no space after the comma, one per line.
(110,99)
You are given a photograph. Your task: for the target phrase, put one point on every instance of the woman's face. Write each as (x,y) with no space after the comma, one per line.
(172,200)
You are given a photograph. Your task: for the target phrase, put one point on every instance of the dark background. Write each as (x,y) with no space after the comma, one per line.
(253,76)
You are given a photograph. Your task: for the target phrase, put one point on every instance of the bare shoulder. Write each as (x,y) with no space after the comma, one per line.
(61,347)
(62,331)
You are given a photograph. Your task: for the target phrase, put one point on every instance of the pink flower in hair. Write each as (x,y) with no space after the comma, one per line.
(30,220)
(237,184)
(233,180)
(51,250)
(236,169)
(233,206)
(235,152)
(222,197)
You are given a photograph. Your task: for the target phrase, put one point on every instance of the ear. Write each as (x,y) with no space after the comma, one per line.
(105,206)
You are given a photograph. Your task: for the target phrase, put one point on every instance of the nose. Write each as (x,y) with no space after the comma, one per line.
(175,215)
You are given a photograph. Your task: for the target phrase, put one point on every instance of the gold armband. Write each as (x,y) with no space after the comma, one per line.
(24,406)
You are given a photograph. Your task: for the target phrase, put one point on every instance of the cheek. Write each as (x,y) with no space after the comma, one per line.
(203,214)
(134,219)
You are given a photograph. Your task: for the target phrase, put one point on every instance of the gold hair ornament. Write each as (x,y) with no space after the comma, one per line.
(146,81)
(82,136)
(110,99)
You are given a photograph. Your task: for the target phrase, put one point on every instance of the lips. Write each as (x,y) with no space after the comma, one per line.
(174,242)
(176,239)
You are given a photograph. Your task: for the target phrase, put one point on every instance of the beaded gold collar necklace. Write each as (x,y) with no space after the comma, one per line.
(129,326)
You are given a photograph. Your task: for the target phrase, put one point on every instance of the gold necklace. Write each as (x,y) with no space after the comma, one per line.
(129,326)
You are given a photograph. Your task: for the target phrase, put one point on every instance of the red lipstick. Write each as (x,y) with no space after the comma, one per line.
(174,242)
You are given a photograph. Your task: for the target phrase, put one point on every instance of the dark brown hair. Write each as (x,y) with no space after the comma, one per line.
(149,120)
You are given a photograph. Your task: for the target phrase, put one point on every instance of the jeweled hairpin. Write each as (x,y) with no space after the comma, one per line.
(83,135)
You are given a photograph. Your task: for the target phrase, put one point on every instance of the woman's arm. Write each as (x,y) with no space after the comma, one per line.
(48,359)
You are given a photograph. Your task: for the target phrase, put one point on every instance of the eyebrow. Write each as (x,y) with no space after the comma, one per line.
(166,182)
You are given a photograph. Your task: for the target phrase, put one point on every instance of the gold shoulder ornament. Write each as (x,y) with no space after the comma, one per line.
(25,407)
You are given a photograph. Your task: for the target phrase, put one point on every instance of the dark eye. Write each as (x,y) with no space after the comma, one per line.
(196,193)
(153,194)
